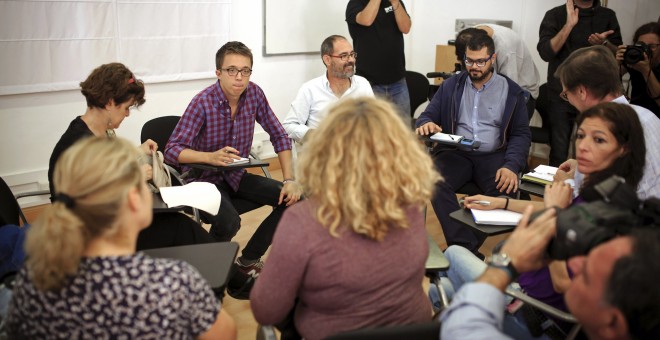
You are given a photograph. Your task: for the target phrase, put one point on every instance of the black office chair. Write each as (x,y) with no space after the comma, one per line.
(422,331)
(418,89)
(10,211)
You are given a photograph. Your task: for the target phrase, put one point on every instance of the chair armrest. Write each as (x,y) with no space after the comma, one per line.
(263,168)
(266,332)
(545,308)
(28,194)
(32,193)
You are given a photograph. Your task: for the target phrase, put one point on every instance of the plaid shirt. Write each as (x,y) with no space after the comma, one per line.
(207,126)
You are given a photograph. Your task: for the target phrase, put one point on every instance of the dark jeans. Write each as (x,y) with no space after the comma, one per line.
(172,229)
(562,116)
(252,188)
(398,94)
(459,168)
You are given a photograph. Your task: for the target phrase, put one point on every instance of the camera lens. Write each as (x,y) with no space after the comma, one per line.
(635,53)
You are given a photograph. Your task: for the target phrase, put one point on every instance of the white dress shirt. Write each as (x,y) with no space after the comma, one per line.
(308,109)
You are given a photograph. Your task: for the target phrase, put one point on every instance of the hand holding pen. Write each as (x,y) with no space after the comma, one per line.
(481,202)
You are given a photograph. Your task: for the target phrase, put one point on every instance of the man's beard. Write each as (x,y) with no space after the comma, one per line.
(481,77)
(343,74)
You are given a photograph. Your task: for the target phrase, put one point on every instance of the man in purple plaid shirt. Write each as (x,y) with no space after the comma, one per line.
(216,129)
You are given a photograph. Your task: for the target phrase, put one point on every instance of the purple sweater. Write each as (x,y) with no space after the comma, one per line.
(343,283)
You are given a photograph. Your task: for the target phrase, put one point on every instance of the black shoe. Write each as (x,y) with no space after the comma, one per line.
(243,278)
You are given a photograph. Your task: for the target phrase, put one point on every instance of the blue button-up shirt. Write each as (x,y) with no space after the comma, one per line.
(481,111)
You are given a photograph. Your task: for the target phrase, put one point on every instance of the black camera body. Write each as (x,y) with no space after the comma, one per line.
(612,209)
(635,53)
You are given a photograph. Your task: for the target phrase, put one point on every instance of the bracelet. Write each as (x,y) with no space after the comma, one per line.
(506,205)
(287,180)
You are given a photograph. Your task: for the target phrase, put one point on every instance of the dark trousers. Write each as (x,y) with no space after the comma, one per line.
(172,229)
(254,189)
(561,116)
(459,168)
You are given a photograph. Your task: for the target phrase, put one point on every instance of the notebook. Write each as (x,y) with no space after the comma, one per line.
(496,217)
(447,138)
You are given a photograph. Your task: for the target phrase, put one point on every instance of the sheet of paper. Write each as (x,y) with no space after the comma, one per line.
(201,195)
(496,217)
(444,137)
(545,169)
(243,160)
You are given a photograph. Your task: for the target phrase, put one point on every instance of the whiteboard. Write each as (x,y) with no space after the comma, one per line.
(299,26)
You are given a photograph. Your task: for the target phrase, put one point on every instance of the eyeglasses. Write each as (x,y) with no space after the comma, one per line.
(232,71)
(344,56)
(653,47)
(564,95)
(478,62)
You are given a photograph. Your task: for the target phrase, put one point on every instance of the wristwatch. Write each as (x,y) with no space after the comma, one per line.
(502,261)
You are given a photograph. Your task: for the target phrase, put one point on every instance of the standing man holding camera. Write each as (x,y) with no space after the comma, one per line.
(613,294)
(564,29)
(642,62)
(377,28)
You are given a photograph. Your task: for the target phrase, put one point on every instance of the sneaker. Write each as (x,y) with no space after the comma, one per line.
(242,279)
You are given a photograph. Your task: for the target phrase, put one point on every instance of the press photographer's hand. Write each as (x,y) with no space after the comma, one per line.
(527,244)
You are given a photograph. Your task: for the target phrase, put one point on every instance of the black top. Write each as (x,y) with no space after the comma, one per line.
(639,94)
(596,19)
(380,46)
(76,131)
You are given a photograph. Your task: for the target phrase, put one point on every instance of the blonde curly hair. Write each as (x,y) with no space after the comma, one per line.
(363,167)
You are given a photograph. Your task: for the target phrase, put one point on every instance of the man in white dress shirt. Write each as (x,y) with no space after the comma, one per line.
(339,81)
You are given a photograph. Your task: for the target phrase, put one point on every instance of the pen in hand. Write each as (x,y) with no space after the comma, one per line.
(484,203)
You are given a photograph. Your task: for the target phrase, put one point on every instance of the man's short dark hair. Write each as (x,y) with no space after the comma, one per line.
(633,285)
(232,47)
(593,67)
(479,41)
(463,38)
(328,45)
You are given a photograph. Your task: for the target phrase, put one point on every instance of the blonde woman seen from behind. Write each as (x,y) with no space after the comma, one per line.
(352,254)
(82,277)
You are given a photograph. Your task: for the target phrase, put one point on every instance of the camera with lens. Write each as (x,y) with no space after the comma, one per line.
(612,209)
(635,53)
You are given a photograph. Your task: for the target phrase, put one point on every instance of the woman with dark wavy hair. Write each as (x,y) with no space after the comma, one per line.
(111,92)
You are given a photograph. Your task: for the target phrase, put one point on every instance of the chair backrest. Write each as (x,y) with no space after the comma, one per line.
(9,208)
(418,88)
(215,272)
(422,331)
(159,130)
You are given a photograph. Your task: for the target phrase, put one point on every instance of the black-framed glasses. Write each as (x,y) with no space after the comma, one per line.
(653,47)
(564,95)
(344,56)
(479,62)
(232,71)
